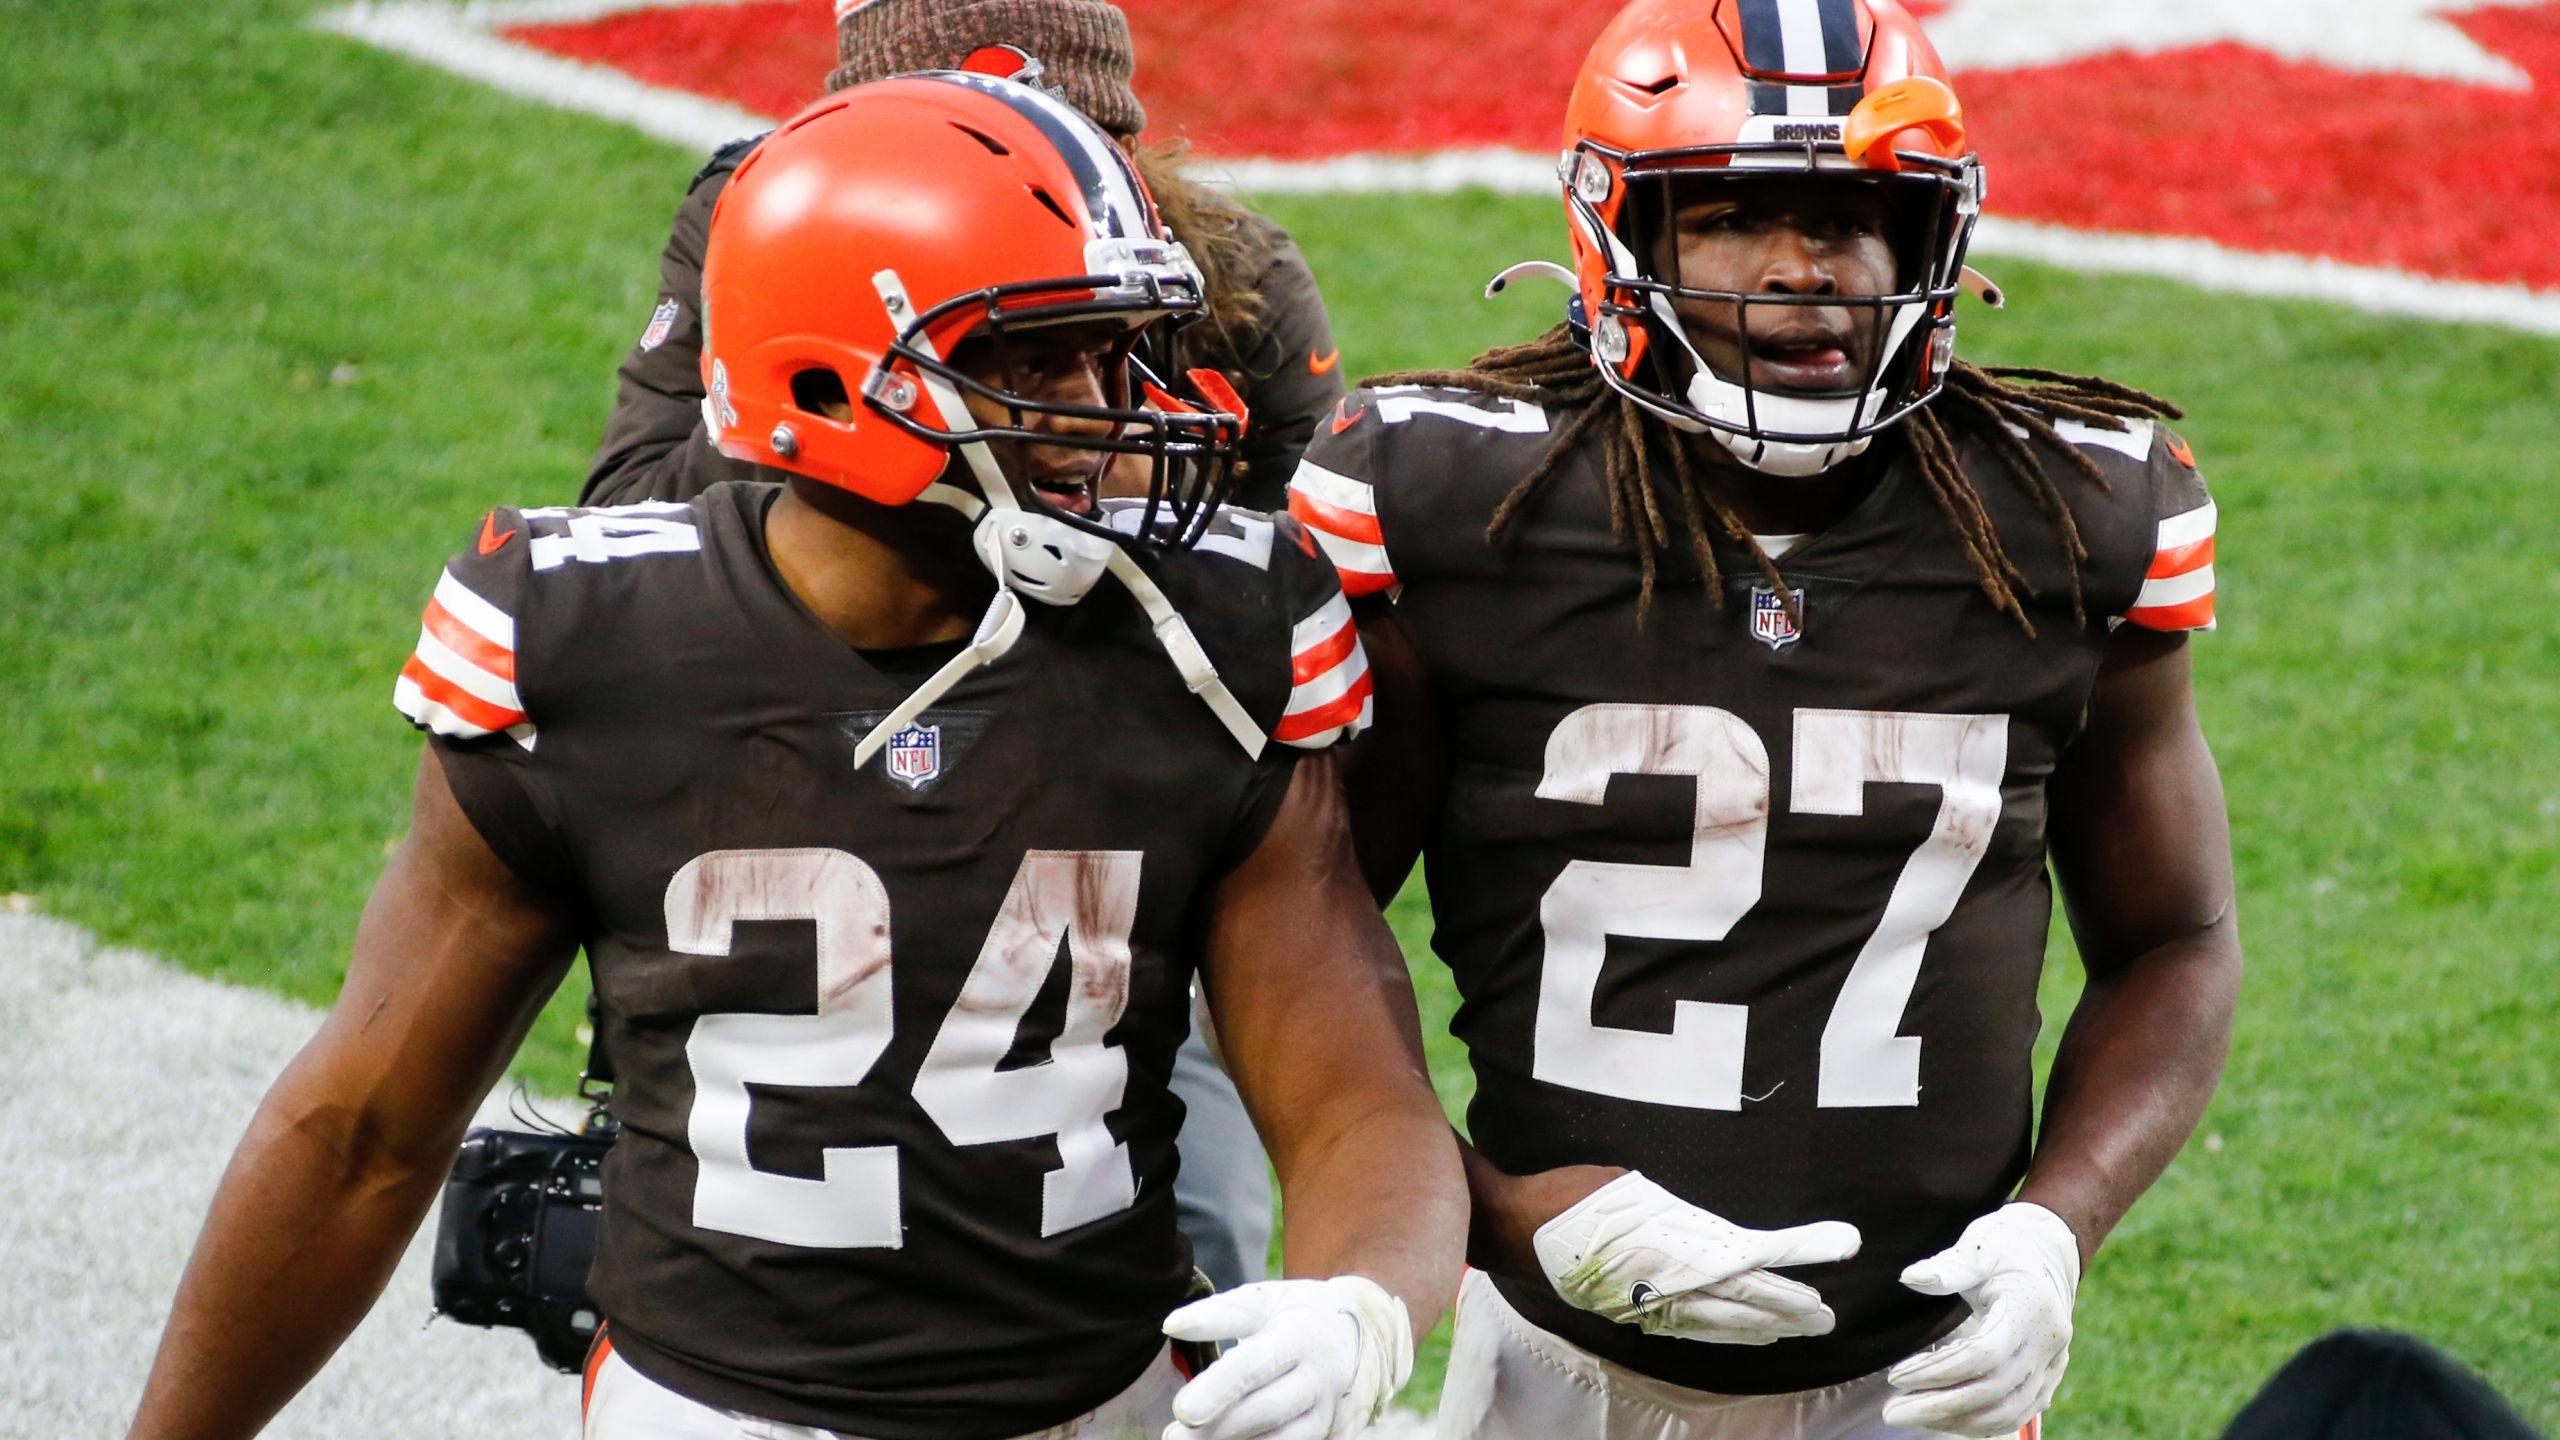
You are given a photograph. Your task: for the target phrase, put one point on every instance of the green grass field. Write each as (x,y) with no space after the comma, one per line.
(280,316)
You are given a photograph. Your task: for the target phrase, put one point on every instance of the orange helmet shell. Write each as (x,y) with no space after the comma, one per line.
(956,184)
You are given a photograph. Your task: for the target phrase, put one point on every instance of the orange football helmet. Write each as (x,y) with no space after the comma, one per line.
(1679,94)
(877,230)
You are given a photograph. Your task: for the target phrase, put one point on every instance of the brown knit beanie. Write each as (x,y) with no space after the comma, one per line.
(1082,45)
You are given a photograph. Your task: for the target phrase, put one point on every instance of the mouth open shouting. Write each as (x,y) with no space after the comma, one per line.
(1072,485)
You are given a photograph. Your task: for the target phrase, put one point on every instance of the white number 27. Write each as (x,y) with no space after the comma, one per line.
(1865,1060)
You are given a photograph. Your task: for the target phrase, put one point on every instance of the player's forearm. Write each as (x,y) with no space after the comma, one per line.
(305,1230)
(1380,1194)
(1505,1211)
(2136,1068)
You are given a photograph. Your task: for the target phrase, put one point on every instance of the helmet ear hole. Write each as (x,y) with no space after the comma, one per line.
(822,392)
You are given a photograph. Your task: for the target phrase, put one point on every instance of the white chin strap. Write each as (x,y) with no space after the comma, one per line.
(1720,399)
(1043,558)
(1712,395)
(997,632)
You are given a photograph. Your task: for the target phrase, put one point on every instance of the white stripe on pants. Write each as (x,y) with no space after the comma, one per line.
(1510,1380)
(624,1404)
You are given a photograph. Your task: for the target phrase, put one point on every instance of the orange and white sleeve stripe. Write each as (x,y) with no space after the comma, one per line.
(2177,593)
(462,680)
(1343,513)
(1329,694)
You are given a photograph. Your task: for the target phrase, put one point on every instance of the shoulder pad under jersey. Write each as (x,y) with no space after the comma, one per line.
(2152,472)
(1411,438)
(1264,603)
(468,677)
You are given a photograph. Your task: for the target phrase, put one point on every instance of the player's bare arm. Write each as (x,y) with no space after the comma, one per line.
(1317,1016)
(2143,849)
(1317,1013)
(453,959)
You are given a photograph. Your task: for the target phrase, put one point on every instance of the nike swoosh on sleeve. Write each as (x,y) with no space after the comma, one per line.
(1323,364)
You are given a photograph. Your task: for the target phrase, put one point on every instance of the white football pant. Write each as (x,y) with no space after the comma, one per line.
(623,1404)
(1510,1380)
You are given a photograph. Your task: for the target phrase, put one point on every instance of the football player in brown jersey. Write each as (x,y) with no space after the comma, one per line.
(1743,662)
(895,809)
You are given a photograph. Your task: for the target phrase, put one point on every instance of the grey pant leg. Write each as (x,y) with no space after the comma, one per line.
(1222,1196)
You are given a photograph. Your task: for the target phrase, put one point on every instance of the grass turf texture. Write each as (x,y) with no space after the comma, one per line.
(285,315)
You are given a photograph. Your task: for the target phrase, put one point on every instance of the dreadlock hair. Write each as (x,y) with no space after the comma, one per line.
(1658,492)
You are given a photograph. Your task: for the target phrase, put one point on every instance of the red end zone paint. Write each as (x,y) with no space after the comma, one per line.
(2219,142)
(768,56)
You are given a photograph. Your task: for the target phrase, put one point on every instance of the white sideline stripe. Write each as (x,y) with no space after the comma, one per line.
(2188,528)
(126,1183)
(462,42)
(461,39)
(2200,263)
(2276,277)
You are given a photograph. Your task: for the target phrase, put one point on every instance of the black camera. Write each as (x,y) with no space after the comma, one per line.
(517,1231)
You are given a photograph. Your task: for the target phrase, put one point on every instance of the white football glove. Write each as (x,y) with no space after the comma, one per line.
(1640,1255)
(2019,1268)
(1316,1360)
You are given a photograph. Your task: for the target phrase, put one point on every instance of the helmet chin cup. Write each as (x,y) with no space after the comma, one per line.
(1720,399)
(1040,557)
(1789,462)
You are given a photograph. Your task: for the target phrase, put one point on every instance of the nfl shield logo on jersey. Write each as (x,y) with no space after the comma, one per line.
(915,755)
(1771,624)
(662,323)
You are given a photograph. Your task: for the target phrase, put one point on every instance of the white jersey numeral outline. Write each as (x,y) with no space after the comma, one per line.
(596,537)
(1085,902)
(1697,1065)
(1400,403)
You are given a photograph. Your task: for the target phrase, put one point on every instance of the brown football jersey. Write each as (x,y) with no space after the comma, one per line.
(1750,898)
(892,1041)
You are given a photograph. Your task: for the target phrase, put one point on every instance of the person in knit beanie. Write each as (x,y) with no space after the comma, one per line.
(1266,327)
(1083,47)
(1266,330)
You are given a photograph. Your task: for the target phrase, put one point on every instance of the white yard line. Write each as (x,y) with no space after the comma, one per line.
(124,1083)
(463,39)
(465,42)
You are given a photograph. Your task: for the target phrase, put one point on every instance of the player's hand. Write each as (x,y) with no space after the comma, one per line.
(1640,1255)
(2019,1268)
(1314,1360)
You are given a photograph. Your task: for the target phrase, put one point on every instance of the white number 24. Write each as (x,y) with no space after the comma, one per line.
(1087,900)
(1838,753)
